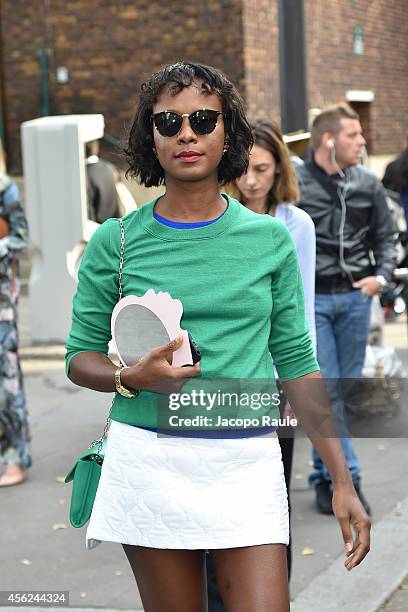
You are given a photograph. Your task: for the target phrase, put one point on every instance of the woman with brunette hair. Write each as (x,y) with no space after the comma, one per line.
(270,187)
(167,500)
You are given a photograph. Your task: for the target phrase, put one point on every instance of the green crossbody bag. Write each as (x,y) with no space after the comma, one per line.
(85,474)
(86,471)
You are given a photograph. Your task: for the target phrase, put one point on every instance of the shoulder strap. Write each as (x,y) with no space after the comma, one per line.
(99,442)
(322,179)
(121,254)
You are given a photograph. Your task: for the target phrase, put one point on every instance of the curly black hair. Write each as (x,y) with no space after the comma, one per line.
(144,165)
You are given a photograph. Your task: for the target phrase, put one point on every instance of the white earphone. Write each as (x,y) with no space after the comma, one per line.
(332,147)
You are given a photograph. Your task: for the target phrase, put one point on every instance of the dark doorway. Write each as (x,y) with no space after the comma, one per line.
(364,110)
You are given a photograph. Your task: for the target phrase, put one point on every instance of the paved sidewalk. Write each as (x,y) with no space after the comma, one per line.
(398,602)
(381,572)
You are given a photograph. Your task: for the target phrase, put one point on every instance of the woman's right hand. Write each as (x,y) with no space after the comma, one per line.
(351,514)
(154,372)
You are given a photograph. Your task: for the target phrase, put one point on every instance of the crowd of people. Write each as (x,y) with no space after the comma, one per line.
(276,272)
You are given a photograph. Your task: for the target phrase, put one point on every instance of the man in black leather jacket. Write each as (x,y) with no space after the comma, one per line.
(355,259)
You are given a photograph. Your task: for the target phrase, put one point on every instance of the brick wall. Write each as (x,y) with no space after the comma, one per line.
(109,49)
(110,46)
(333,69)
(22,30)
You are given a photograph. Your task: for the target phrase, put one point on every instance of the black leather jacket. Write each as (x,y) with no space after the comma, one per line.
(367,244)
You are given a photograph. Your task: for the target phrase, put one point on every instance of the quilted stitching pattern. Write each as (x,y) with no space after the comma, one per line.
(189,492)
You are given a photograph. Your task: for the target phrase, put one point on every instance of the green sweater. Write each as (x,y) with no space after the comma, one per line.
(238,280)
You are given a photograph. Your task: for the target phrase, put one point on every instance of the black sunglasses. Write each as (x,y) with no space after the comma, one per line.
(202,122)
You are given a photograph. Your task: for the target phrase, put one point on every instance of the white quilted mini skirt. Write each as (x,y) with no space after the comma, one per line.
(189,493)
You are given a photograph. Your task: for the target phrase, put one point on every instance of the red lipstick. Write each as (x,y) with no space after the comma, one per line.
(188,156)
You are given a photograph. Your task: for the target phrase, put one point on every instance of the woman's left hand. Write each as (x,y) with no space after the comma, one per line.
(350,513)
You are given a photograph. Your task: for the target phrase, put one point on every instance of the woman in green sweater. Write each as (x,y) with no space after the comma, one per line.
(167,500)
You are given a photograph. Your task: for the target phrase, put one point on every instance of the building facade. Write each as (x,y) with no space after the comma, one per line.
(72,56)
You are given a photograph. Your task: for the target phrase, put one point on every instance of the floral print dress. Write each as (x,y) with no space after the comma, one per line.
(14,430)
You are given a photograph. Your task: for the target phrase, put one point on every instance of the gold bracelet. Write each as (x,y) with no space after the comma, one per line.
(120,388)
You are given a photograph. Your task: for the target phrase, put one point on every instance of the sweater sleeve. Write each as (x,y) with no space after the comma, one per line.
(289,342)
(96,295)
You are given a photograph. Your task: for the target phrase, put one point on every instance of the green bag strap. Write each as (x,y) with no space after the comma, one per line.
(99,442)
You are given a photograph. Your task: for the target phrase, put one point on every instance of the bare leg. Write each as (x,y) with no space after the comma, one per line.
(253,578)
(169,580)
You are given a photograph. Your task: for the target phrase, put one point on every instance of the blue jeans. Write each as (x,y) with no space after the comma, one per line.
(342,326)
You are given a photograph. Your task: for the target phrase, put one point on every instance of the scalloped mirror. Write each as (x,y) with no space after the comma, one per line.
(140,324)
